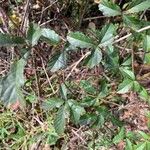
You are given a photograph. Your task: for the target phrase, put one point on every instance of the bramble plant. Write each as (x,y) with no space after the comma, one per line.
(112,47)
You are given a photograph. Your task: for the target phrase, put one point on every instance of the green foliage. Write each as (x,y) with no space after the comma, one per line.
(105,51)
(120,136)
(58,61)
(11,84)
(109,8)
(35,33)
(50,36)
(60,121)
(78,39)
(94,58)
(10,40)
(138,5)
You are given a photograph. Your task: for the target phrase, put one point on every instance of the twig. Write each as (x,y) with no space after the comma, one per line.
(44,23)
(93,18)
(48,79)
(77,63)
(128,35)
(42,12)
(75,133)
(22,27)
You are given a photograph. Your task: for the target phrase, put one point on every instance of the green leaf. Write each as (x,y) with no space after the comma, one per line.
(52,138)
(127,73)
(52,103)
(12,83)
(127,62)
(125,86)
(10,40)
(144,135)
(104,91)
(76,111)
(100,121)
(88,119)
(112,59)
(147,58)
(87,86)
(63,91)
(109,8)
(120,136)
(128,145)
(50,35)
(132,22)
(146,43)
(58,61)
(141,146)
(137,6)
(88,101)
(59,121)
(78,39)
(136,86)
(34,33)
(94,58)
(147,145)
(144,94)
(107,35)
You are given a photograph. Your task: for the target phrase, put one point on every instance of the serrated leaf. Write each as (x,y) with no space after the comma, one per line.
(78,39)
(52,103)
(34,33)
(88,101)
(58,61)
(141,146)
(104,91)
(10,40)
(120,136)
(100,121)
(132,22)
(94,58)
(144,94)
(87,86)
(137,6)
(127,73)
(59,121)
(107,35)
(50,35)
(128,145)
(136,86)
(12,83)
(63,91)
(144,135)
(88,119)
(146,43)
(109,8)
(76,111)
(125,86)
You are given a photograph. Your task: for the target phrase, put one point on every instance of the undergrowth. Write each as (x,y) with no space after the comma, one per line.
(75,75)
